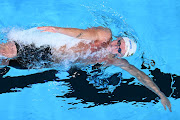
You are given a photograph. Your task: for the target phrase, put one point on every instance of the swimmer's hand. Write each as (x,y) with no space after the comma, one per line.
(48,29)
(165,102)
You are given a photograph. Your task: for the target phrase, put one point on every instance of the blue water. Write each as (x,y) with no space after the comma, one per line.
(155,24)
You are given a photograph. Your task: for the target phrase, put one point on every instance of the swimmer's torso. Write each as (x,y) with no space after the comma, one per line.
(40,48)
(31,56)
(92,52)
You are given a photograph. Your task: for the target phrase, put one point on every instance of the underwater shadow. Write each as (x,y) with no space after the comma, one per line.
(82,90)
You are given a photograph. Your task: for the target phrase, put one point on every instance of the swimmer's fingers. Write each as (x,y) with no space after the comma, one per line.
(165,102)
(169,106)
(43,28)
(47,29)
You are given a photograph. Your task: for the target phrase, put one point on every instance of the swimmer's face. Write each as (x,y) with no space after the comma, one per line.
(117,47)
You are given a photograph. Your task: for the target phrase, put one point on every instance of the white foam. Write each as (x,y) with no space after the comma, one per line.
(33,35)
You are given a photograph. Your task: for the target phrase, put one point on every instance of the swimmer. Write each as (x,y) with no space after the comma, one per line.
(99,38)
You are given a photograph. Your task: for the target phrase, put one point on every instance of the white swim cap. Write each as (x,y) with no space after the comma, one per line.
(130,47)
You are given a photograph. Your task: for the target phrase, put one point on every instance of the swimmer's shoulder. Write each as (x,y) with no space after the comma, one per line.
(103,34)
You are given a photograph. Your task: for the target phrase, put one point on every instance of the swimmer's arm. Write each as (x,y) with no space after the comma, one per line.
(95,33)
(143,78)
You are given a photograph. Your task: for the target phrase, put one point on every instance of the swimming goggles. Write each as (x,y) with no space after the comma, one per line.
(119,44)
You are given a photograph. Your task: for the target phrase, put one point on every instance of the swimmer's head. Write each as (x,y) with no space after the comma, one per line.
(123,47)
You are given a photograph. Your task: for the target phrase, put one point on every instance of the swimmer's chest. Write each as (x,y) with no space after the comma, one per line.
(97,56)
(94,46)
(92,50)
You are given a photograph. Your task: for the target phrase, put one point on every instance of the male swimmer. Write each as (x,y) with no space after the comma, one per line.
(98,39)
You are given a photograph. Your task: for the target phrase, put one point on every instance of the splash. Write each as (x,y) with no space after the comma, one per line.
(66,51)
(39,38)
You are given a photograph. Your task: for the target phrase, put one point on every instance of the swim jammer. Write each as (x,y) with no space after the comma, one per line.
(30,56)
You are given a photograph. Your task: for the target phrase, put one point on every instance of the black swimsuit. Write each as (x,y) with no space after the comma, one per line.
(30,56)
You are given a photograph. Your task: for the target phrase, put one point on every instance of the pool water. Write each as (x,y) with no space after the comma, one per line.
(52,94)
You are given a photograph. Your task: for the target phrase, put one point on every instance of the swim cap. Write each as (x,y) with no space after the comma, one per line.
(130,47)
